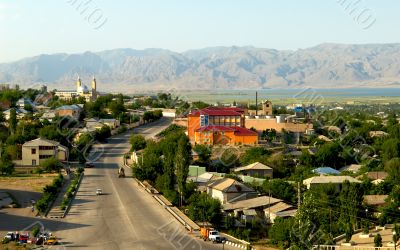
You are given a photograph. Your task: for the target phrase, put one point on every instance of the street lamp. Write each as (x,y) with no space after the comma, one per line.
(394,239)
(223,243)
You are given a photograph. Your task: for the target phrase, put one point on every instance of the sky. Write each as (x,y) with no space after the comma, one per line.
(33,27)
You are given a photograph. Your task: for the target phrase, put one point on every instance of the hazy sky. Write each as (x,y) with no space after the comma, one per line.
(32,27)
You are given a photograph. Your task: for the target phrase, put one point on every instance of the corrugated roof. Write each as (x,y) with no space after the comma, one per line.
(228,185)
(261,201)
(329,179)
(40,142)
(218,111)
(325,170)
(253,166)
(279,207)
(375,200)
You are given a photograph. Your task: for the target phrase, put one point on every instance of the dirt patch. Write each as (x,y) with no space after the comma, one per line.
(25,188)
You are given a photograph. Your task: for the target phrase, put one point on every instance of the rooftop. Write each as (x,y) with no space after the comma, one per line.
(253,166)
(326,171)
(329,179)
(261,201)
(375,200)
(228,185)
(278,207)
(218,111)
(40,142)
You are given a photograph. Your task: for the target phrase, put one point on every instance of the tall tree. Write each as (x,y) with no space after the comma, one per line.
(182,161)
(13,120)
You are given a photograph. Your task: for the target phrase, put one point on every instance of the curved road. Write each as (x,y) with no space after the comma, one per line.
(126,216)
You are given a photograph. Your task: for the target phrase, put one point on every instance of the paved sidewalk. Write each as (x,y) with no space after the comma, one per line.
(55,211)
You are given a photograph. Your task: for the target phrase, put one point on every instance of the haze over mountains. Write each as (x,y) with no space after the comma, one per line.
(325,65)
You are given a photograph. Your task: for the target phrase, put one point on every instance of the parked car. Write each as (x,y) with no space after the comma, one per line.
(51,241)
(89,165)
(99,191)
(10,236)
(23,238)
(32,240)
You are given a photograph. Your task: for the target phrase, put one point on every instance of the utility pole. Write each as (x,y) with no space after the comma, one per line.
(298,200)
(269,203)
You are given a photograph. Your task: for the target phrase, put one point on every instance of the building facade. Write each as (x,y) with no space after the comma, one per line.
(81,91)
(215,125)
(36,151)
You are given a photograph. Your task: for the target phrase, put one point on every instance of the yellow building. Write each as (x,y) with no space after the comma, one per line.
(81,91)
(36,151)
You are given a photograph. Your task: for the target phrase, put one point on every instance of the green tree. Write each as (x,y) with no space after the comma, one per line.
(378,240)
(255,154)
(6,165)
(391,149)
(392,167)
(182,161)
(138,142)
(205,208)
(103,133)
(329,155)
(13,121)
(280,189)
(51,164)
(204,153)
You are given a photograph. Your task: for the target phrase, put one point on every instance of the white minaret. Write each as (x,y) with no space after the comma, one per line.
(94,88)
(79,85)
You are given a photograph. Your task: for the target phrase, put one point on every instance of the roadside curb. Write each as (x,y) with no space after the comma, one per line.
(73,197)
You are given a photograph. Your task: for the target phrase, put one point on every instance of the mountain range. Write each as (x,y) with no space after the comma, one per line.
(322,66)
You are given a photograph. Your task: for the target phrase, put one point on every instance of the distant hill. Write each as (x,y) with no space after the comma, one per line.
(326,65)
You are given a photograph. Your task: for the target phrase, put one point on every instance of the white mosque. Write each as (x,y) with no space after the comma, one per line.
(81,91)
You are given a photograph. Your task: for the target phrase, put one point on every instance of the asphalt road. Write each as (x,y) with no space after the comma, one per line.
(125,216)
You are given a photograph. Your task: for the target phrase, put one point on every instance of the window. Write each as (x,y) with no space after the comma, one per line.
(33,151)
(46,147)
(33,162)
(45,156)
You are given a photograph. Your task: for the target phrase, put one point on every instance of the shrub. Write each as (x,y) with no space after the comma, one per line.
(35,230)
(5,241)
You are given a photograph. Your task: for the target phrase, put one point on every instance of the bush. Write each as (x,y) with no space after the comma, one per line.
(35,230)
(5,241)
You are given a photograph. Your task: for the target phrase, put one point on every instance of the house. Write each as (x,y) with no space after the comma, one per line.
(354,168)
(112,123)
(258,203)
(223,135)
(94,123)
(325,171)
(334,129)
(330,179)
(256,170)
(264,207)
(23,102)
(229,190)
(202,180)
(378,134)
(21,113)
(36,151)
(375,200)
(73,111)
(374,175)
(324,138)
(219,125)
(49,115)
(280,209)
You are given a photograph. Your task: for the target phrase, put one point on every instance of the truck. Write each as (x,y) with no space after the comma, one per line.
(210,234)
(121,172)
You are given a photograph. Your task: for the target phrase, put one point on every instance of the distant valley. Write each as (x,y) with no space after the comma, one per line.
(322,66)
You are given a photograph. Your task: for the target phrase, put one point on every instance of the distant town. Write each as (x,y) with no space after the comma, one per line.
(253,175)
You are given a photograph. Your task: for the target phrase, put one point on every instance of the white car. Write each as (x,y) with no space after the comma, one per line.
(9,235)
(99,191)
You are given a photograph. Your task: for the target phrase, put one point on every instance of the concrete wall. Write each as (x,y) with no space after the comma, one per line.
(263,124)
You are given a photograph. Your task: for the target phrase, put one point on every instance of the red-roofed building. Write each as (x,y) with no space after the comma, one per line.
(214,125)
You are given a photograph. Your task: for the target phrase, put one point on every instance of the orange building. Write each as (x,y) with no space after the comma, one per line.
(214,125)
